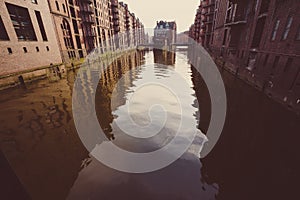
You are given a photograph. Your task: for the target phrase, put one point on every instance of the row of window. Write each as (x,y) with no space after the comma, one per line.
(22,24)
(286,29)
(286,67)
(63,6)
(25,50)
(275,63)
(266,60)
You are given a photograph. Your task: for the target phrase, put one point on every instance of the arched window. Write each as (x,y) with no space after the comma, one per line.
(67,34)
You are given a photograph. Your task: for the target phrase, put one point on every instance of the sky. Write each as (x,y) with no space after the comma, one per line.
(150,11)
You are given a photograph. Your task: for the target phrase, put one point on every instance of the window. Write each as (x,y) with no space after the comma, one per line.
(78,42)
(25,49)
(3,32)
(287,28)
(298,34)
(9,50)
(47,48)
(67,34)
(37,49)
(75,26)
(80,53)
(288,65)
(225,37)
(275,63)
(275,29)
(41,25)
(21,22)
(64,8)
(295,79)
(57,5)
(72,10)
(266,59)
(258,32)
(264,6)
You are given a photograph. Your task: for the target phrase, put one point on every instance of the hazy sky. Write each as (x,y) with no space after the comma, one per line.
(150,11)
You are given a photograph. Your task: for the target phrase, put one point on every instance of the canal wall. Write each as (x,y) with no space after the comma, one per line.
(23,77)
(289,99)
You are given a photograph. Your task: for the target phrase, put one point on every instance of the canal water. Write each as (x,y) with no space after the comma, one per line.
(257,156)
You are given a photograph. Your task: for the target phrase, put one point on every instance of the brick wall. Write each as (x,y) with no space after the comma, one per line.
(26,55)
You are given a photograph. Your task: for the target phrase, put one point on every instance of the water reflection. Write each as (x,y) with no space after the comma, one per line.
(39,139)
(257,155)
(164,60)
(108,82)
(255,158)
(121,84)
(164,57)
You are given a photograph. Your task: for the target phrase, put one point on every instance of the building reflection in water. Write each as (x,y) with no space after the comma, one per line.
(110,77)
(182,179)
(164,57)
(164,61)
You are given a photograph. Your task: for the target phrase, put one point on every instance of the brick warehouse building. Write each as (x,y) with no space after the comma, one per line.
(37,33)
(103,24)
(119,23)
(260,41)
(27,36)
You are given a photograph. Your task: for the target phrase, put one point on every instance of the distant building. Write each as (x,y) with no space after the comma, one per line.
(128,29)
(27,36)
(192,32)
(103,24)
(129,18)
(140,36)
(119,23)
(165,33)
(183,37)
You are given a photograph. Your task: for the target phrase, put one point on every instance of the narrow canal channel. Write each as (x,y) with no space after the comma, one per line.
(257,156)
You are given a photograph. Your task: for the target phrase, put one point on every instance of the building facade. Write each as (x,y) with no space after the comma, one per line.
(204,22)
(128,30)
(140,35)
(27,36)
(119,23)
(103,26)
(87,15)
(68,30)
(165,33)
(74,10)
(37,33)
(129,25)
(260,41)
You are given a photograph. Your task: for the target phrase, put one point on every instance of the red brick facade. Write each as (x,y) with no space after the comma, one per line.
(260,41)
